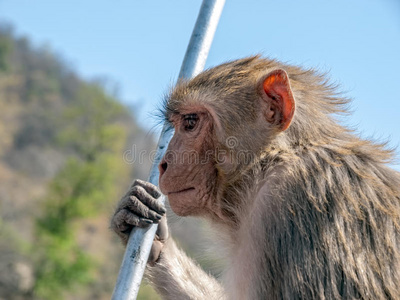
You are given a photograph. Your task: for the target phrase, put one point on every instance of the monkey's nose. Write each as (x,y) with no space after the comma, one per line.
(162,167)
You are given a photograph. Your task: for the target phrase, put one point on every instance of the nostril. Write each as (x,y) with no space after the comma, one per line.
(163,167)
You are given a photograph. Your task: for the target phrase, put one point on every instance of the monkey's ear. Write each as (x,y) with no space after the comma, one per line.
(276,93)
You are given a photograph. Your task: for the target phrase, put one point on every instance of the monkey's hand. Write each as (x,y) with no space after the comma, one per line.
(140,208)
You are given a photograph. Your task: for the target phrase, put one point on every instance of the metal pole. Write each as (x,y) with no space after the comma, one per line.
(141,239)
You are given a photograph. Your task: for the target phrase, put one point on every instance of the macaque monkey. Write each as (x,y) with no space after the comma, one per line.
(306,209)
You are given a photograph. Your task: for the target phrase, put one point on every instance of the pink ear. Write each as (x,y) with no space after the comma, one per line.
(277,92)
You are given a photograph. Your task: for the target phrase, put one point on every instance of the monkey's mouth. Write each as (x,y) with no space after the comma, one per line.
(180,191)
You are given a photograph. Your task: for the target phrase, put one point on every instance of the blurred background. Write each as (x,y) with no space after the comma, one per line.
(80,82)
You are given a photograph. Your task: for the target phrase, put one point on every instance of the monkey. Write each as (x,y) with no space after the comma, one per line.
(304,207)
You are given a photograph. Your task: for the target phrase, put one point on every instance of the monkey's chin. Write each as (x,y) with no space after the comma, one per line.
(182,202)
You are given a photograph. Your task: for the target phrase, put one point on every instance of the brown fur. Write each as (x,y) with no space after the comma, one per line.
(311,213)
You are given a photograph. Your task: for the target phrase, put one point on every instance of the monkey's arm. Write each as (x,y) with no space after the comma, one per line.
(176,276)
(173,274)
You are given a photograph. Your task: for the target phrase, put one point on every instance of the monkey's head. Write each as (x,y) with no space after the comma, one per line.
(223,119)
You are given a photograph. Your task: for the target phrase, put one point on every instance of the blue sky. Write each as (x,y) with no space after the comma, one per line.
(140,45)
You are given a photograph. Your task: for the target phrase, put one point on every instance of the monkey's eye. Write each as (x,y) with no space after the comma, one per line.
(190,121)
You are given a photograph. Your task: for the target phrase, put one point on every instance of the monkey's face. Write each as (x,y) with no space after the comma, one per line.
(192,173)
(187,171)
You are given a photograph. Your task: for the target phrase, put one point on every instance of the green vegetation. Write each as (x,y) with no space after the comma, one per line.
(80,190)
(62,169)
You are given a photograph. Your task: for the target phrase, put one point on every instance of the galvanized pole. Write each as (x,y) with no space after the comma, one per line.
(140,241)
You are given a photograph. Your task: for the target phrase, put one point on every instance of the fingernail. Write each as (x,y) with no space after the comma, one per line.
(163,210)
(158,216)
(148,221)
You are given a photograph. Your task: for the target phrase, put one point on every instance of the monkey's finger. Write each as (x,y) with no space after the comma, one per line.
(149,187)
(124,220)
(147,199)
(118,223)
(136,206)
(133,204)
(162,230)
(120,227)
(135,220)
(155,252)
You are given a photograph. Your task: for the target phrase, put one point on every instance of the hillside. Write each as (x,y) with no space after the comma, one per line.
(61,171)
